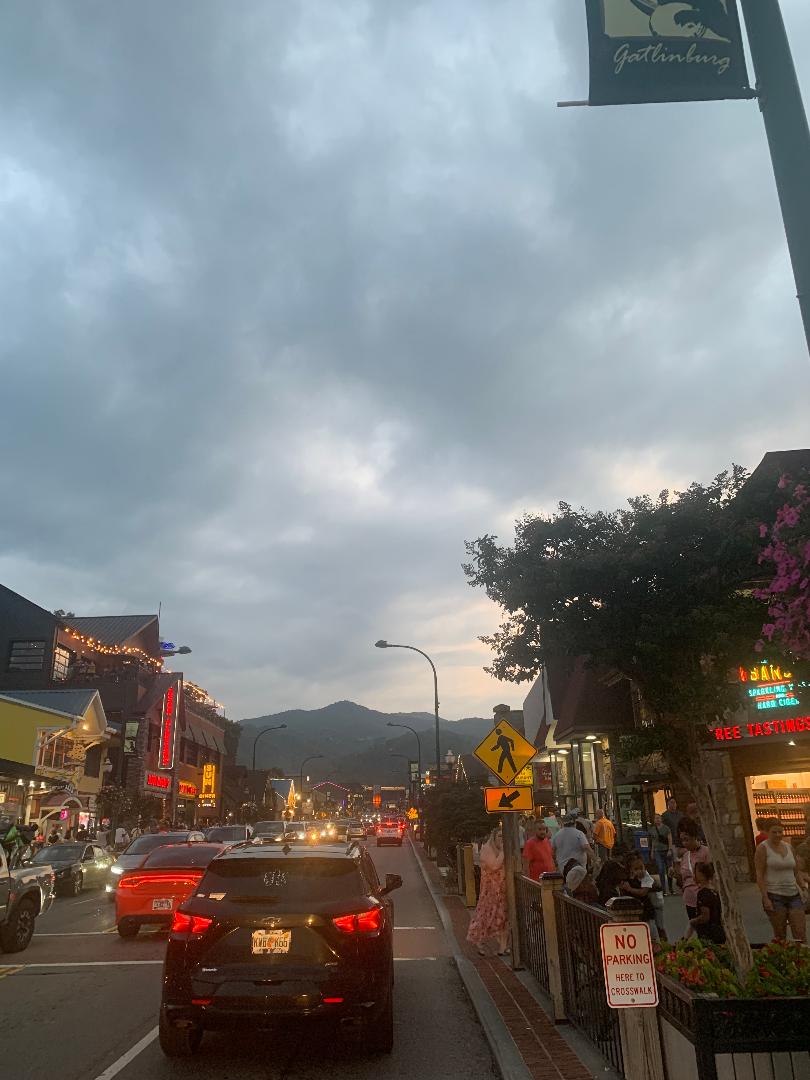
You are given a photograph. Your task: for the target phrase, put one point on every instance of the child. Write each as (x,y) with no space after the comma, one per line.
(653,879)
(707,924)
(638,884)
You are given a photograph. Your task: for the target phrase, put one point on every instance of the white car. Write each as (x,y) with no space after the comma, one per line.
(389,832)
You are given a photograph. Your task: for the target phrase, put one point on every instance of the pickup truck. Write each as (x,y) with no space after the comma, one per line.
(24,893)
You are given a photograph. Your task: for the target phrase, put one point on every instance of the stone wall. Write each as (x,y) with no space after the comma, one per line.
(717,764)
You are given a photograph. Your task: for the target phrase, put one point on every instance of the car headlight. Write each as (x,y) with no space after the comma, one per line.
(116,869)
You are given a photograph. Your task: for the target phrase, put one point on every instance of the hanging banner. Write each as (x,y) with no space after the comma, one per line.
(665,50)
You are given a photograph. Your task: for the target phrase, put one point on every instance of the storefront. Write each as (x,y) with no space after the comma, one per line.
(763,758)
(186,809)
(159,785)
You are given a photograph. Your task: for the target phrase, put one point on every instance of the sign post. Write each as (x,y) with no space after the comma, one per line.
(692,50)
(631,986)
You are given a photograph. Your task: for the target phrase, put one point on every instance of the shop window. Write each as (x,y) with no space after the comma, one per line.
(54,753)
(26,656)
(61,663)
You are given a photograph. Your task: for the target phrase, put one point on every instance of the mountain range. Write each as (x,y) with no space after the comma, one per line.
(356,742)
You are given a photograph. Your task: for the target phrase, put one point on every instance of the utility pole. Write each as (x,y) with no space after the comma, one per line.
(780,101)
(512,863)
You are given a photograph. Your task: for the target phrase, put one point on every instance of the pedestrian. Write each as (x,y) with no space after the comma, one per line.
(68,833)
(538,858)
(639,884)
(489,919)
(708,923)
(694,852)
(671,817)
(579,883)
(82,833)
(102,836)
(762,834)
(781,883)
(661,843)
(121,837)
(571,843)
(693,813)
(656,899)
(53,836)
(584,823)
(604,834)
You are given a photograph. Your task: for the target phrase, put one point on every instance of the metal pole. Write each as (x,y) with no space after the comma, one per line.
(412,648)
(418,745)
(780,101)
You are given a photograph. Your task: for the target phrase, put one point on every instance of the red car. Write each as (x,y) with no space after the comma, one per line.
(152,892)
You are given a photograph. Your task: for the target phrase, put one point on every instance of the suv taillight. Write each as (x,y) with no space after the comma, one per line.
(196,925)
(364,922)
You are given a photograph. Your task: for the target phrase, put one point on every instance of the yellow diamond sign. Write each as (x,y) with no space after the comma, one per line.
(504,751)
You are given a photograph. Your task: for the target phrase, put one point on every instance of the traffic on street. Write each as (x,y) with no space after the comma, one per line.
(83,1003)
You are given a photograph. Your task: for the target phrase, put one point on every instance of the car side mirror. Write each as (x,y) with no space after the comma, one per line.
(392,881)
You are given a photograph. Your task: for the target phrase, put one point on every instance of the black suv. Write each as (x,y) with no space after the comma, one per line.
(273,933)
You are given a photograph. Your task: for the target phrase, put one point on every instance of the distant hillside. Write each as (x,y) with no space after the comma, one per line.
(356,742)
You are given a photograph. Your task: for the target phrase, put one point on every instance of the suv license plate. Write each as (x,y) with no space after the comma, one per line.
(161,905)
(271,942)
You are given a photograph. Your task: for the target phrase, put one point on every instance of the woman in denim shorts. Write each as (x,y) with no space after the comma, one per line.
(781,883)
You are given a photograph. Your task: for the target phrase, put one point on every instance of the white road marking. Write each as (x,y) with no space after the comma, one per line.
(399,959)
(92,963)
(124,1060)
(74,933)
(415,928)
(89,900)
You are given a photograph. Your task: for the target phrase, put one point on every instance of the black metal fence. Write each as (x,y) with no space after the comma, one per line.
(764,1039)
(583,980)
(531,930)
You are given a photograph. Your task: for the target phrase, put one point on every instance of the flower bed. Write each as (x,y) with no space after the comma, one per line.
(702,999)
(781,969)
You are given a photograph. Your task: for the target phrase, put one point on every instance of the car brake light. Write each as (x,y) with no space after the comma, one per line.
(364,922)
(201,1001)
(333,1001)
(190,924)
(135,880)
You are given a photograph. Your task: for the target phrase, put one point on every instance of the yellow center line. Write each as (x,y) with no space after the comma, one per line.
(9,970)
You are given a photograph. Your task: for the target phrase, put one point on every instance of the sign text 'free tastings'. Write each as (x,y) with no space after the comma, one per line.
(789,727)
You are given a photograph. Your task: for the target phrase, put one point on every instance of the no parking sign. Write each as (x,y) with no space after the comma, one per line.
(627,958)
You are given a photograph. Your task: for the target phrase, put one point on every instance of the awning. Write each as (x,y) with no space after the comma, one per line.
(217,741)
(17,770)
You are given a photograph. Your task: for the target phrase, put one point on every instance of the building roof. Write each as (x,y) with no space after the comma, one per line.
(586,700)
(159,685)
(110,630)
(66,702)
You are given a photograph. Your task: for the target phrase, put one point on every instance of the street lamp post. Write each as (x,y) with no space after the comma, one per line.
(312,757)
(418,746)
(276,727)
(383,644)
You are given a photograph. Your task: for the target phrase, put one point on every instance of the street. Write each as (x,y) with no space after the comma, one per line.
(82,1004)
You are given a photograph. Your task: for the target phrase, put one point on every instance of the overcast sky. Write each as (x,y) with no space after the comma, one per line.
(298,296)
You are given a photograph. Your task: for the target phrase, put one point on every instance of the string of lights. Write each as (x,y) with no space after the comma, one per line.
(201,696)
(114,650)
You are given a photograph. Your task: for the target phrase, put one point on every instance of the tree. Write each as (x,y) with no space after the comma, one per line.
(454,815)
(787,592)
(659,594)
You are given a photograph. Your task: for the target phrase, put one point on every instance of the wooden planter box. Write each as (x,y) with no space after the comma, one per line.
(708,1038)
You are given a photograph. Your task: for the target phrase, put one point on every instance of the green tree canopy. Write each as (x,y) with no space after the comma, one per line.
(658,593)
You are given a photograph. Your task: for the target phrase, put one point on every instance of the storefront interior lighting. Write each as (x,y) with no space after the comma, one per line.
(590,738)
(562,751)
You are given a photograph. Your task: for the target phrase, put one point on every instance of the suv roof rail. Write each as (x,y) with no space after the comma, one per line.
(355,845)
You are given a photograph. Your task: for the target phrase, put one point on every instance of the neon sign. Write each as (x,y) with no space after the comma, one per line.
(733,733)
(768,686)
(209,781)
(187,789)
(156,782)
(166,751)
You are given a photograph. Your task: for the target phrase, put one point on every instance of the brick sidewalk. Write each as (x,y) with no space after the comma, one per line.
(545,1052)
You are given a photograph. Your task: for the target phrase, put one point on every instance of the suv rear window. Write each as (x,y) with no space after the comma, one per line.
(193,855)
(293,880)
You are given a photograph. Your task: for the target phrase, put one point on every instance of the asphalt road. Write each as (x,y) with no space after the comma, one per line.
(81,1004)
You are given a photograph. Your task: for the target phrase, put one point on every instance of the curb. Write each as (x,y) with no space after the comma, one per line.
(504,1049)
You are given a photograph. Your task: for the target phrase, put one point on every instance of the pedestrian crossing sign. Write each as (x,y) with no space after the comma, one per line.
(504,751)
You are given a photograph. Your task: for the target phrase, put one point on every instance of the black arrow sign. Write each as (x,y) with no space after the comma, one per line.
(507,800)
